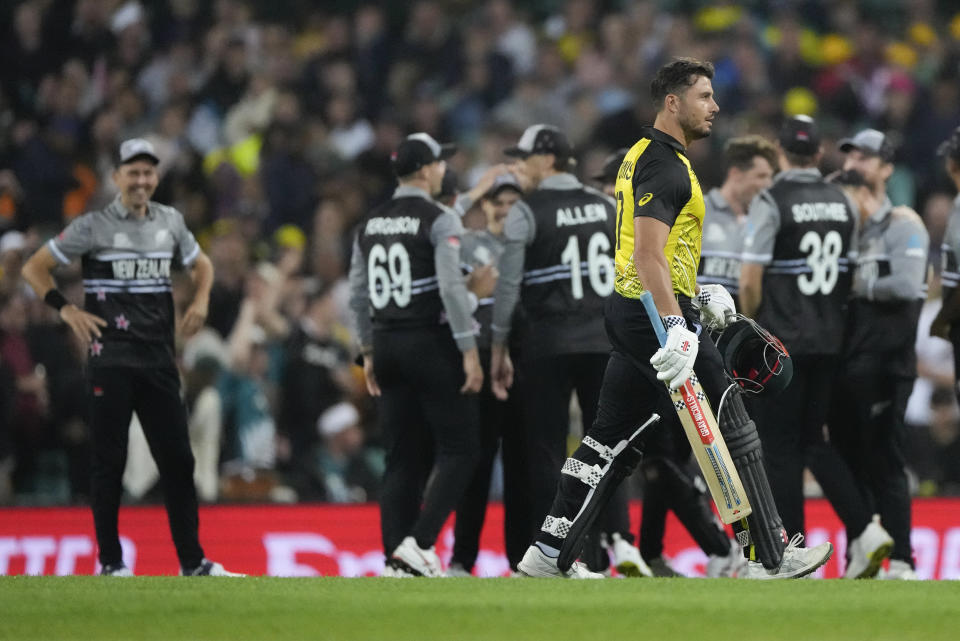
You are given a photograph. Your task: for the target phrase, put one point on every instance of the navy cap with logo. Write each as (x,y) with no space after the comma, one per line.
(800,135)
(137,149)
(541,139)
(870,142)
(951,146)
(419,150)
(611,166)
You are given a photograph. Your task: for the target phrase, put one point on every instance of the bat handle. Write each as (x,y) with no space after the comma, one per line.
(647,299)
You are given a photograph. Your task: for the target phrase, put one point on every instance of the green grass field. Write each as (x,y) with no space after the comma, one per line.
(170,608)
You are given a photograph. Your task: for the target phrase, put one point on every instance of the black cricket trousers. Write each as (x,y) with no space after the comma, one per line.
(422,414)
(501,426)
(791,427)
(154,394)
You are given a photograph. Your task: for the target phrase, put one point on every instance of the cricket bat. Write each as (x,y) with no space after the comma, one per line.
(704,435)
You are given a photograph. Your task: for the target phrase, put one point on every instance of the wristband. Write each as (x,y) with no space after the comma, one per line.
(55,299)
(674,321)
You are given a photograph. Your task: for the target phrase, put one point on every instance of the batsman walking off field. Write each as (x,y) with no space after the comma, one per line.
(660,211)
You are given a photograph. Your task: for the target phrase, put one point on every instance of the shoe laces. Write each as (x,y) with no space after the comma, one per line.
(795,541)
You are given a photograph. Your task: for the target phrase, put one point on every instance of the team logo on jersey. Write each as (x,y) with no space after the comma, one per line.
(161,237)
(122,241)
(644,199)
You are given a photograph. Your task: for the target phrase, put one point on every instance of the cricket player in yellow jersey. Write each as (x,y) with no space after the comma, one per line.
(660,211)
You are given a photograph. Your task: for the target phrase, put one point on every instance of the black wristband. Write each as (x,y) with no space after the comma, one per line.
(55,299)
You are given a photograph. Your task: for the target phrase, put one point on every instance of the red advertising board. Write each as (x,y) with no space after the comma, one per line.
(314,540)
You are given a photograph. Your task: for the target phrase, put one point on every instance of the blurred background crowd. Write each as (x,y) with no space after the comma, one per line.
(275,122)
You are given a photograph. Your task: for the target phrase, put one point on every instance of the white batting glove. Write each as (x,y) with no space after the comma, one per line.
(674,361)
(717,309)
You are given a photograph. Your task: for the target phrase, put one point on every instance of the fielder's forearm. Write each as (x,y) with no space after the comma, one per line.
(202,275)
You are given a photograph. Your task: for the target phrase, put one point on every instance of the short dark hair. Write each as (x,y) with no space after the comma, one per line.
(800,161)
(675,76)
(740,152)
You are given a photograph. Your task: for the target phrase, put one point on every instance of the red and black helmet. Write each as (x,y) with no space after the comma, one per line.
(754,358)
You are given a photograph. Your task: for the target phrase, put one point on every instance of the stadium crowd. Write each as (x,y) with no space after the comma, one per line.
(275,122)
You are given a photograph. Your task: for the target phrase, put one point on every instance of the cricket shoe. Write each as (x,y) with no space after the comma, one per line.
(626,558)
(413,559)
(796,562)
(867,552)
(457,570)
(899,571)
(116,569)
(730,566)
(662,569)
(538,565)
(208,568)
(391,572)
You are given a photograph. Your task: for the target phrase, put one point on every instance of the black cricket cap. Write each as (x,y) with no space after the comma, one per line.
(541,139)
(449,185)
(800,135)
(870,142)
(611,166)
(950,147)
(419,150)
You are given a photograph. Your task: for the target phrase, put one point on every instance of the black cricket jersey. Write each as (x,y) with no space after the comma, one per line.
(126,263)
(803,230)
(401,270)
(567,231)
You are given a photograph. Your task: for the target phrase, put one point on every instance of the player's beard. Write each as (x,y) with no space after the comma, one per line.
(694,128)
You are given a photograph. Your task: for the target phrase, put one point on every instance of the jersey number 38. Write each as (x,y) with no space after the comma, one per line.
(823,258)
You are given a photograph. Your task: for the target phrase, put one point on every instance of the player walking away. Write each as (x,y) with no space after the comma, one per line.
(557,260)
(795,281)
(946,325)
(501,422)
(668,483)
(127,323)
(419,354)
(660,212)
(750,164)
(879,356)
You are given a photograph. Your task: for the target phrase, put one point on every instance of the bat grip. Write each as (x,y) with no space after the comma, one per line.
(647,299)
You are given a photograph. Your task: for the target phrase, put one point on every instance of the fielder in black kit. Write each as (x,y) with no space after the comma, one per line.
(795,281)
(420,356)
(127,251)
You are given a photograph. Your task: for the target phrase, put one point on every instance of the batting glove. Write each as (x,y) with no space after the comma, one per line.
(674,361)
(716,306)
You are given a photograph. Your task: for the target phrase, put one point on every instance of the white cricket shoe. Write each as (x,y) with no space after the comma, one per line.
(627,559)
(537,564)
(899,571)
(797,561)
(413,559)
(867,552)
(730,566)
(209,568)
(116,569)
